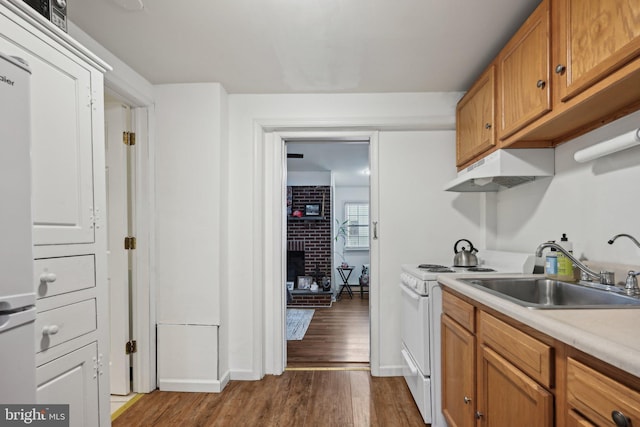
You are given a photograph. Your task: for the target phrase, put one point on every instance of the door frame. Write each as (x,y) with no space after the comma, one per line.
(143,295)
(273,260)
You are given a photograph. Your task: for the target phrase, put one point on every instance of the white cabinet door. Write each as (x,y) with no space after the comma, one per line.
(62,175)
(72,379)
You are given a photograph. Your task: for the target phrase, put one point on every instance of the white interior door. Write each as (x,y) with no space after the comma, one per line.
(117,120)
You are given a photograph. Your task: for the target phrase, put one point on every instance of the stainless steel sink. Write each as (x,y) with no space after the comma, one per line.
(541,293)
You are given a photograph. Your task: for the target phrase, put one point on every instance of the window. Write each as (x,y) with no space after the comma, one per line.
(357,217)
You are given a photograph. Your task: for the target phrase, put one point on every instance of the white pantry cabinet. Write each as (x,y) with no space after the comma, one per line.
(69,202)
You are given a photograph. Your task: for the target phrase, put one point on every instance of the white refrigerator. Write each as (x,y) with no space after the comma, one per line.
(17,290)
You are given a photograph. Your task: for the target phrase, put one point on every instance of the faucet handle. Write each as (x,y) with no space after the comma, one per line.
(607,278)
(631,284)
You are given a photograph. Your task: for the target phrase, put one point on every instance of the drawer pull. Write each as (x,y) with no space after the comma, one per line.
(50,330)
(620,419)
(48,277)
(467,400)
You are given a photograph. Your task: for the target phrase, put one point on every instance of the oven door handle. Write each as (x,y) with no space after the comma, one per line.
(412,368)
(410,293)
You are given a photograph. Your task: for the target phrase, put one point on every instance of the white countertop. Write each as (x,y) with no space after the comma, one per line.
(610,335)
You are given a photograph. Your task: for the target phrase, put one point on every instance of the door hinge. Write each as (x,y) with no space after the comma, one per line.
(131,347)
(129,138)
(129,243)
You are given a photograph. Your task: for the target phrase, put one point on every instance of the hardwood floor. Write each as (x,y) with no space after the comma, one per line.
(295,398)
(337,336)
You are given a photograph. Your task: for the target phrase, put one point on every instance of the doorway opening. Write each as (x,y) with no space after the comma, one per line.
(327,253)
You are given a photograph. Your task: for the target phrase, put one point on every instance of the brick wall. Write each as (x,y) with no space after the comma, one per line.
(314,235)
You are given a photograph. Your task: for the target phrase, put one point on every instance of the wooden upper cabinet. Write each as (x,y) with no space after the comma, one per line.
(524,90)
(475,114)
(592,40)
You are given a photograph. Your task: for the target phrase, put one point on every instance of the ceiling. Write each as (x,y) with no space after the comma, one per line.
(346,160)
(305,46)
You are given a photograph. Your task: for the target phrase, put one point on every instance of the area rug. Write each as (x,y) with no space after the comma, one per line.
(297,322)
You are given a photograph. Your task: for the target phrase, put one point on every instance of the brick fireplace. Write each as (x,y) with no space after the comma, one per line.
(309,243)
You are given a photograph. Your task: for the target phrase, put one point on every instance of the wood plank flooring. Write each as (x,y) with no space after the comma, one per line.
(337,336)
(295,398)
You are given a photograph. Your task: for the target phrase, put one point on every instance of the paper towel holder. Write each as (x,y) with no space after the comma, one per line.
(604,148)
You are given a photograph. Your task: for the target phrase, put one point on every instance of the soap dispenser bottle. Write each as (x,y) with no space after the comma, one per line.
(565,265)
(551,263)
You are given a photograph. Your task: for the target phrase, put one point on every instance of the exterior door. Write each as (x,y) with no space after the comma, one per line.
(117,121)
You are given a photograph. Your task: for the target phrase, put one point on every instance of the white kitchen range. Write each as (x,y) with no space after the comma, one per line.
(421,310)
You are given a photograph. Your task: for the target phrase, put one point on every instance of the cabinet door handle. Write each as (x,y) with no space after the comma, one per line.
(620,419)
(375,230)
(541,84)
(560,69)
(50,330)
(487,126)
(478,415)
(467,400)
(48,277)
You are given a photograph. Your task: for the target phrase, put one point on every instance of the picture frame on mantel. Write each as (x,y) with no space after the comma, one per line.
(312,210)
(304,282)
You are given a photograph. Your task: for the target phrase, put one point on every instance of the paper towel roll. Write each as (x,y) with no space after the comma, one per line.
(611,146)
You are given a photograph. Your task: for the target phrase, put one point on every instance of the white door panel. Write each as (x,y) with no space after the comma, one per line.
(61,142)
(117,121)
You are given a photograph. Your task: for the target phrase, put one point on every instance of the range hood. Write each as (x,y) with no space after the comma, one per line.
(504,168)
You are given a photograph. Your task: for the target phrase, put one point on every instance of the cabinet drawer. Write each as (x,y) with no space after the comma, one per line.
(459,310)
(54,327)
(55,276)
(533,357)
(597,396)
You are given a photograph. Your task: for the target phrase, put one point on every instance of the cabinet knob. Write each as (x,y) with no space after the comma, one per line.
(620,419)
(48,277)
(541,84)
(50,330)
(560,69)
(487,126)
(479,415)
(467,400)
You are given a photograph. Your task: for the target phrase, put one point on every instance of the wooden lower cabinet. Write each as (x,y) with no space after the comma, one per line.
(458,363)
(496,374)
(599,398)
(507,397)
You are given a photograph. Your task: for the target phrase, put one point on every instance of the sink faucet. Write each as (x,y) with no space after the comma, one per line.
(633,239)
(604,277)
(631,284)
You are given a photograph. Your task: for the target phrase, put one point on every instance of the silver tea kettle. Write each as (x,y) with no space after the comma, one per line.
(464,257)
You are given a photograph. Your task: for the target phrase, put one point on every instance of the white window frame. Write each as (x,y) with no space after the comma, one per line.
(365,226)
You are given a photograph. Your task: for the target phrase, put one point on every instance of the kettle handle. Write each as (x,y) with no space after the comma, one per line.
(471,248)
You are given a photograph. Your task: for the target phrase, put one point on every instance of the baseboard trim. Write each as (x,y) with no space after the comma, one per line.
(244,375)
(194,386)
(389,371)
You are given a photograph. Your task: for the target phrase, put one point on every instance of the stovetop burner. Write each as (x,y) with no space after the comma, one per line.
(436,268)
(480,269)
(428,266)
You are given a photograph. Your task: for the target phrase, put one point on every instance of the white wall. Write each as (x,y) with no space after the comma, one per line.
(308,178)
(451,214)
(191,133)
(591,202)
(355,258)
